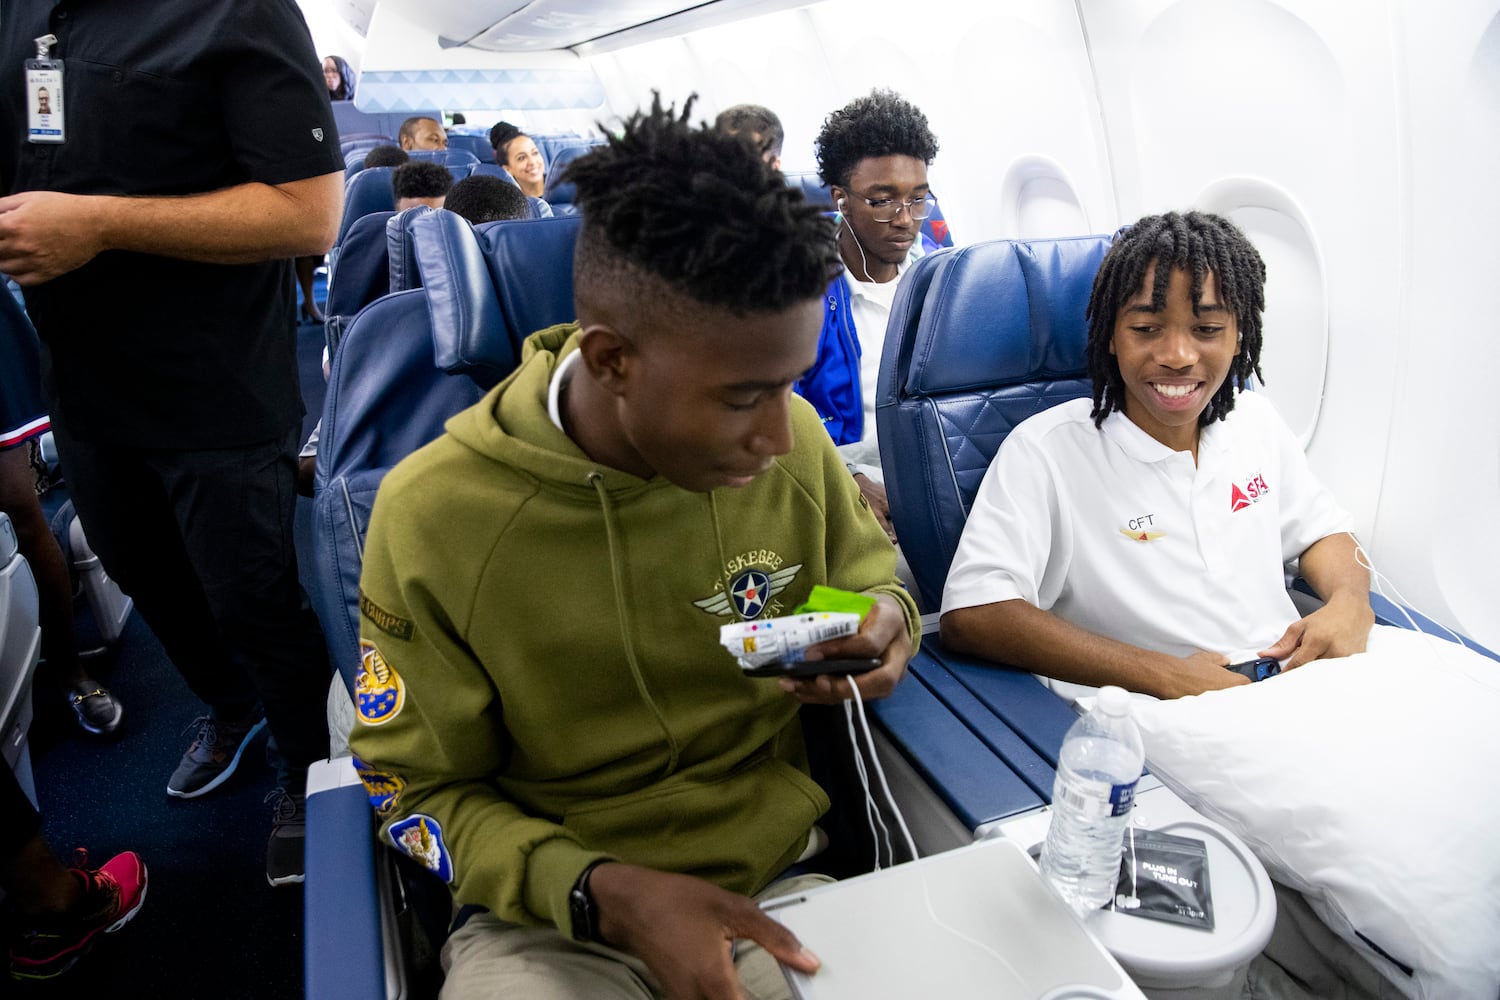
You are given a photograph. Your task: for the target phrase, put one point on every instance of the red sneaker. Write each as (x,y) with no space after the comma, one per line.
(112,894)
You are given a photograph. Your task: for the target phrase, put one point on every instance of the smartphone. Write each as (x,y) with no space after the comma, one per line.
(1258,669)
(812,668)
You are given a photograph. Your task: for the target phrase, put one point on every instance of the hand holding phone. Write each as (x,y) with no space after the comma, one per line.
(796,669)
(1258,669)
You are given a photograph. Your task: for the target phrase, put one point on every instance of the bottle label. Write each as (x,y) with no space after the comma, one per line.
(1095,799)
(1121,798)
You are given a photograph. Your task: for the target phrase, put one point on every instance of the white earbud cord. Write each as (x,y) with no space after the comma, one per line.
(855,706)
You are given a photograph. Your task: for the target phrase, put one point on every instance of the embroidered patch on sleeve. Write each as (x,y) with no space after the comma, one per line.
(387,621)
(378,691)
(420,838)
(383,787)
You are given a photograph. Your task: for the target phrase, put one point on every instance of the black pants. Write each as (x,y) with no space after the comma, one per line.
(202,541)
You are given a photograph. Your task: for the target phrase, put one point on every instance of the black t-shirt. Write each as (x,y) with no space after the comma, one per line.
(169,97)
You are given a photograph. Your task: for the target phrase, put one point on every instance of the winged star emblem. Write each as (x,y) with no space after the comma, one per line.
(749,592)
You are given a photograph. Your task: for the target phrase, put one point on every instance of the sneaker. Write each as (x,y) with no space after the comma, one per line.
(214,754)
(288,833)
(96,710)
(112,894)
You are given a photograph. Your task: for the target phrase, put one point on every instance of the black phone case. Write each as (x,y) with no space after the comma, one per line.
(806,668)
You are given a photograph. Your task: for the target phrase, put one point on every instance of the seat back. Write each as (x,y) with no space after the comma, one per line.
(385,399)
(511,277)
(479,145)
(358,276)
(460,162)
(980,338)
(367,191)
(557,191)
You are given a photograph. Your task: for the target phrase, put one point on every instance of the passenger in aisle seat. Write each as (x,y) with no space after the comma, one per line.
(386,156)
(420,132)
(420,183)
(546,718)
(481,198)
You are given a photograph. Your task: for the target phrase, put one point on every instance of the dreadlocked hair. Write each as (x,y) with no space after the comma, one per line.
(702,213)
(882,124)
(1198,243)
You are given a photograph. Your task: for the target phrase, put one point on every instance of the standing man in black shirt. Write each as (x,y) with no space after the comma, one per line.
(153,233)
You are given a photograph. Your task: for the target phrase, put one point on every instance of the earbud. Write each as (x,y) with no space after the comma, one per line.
(840,205)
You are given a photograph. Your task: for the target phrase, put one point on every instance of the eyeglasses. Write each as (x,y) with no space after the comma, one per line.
(888,209)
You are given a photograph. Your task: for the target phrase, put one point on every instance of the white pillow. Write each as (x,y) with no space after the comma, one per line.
(1372,785)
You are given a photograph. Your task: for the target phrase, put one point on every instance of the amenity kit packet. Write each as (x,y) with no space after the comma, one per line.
(1165,877)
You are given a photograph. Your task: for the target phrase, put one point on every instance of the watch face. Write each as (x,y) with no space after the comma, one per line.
(581,912)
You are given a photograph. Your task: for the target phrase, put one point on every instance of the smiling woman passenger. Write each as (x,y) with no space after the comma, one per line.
(517,153)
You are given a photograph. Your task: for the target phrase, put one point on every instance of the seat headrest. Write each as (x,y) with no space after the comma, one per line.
(490,288)
(447,157)
(360,275)
(532,263)
(401,252)
(468,333)
(992,314)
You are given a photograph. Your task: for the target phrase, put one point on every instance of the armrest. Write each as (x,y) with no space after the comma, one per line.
(341,909)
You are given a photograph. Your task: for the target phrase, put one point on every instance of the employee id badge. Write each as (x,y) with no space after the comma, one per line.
(44,100)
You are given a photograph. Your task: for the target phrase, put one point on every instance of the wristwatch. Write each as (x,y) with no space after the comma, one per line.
(584,916)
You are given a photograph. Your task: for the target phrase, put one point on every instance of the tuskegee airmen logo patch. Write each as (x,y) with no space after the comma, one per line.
(749,586)
(378,691)
(383,787)
(420,838)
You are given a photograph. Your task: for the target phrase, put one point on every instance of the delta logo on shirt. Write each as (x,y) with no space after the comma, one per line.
(1247,494)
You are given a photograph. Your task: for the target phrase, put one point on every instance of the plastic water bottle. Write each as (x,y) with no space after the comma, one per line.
(1097,772)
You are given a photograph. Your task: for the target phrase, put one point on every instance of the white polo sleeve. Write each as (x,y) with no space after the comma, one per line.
(1016,543)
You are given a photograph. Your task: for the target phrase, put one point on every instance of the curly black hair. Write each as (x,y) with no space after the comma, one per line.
(699,211)
(501,133)
(882,124)
(420,179)
(1199,243)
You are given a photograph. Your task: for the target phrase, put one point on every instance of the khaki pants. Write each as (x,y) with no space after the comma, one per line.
(488,958)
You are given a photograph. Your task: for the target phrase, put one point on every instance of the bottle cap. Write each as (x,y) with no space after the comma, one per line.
(1114,700)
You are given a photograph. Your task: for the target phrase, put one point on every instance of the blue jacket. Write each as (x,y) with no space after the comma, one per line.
(832,384)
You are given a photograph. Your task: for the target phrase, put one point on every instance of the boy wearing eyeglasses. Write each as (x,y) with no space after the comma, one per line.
(873,155)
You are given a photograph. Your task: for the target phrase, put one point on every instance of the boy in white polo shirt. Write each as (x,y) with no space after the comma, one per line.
(1143,538)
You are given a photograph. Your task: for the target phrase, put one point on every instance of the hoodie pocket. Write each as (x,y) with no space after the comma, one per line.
(737,830)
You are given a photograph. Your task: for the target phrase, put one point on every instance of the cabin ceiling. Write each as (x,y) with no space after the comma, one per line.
(535,25)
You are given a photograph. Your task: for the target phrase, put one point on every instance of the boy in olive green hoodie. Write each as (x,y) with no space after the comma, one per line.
(546,717)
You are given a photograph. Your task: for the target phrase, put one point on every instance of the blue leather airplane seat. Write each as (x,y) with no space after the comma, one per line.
(358,276)
(460,162)
(513,277)
(495,170)
(470,142)
(558,192)
(980,338)
(367,191)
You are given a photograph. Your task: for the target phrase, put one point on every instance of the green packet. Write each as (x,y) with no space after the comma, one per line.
(833,599)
